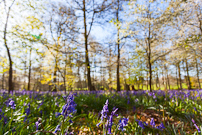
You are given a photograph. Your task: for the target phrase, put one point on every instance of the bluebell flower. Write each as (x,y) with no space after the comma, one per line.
(27,111)
(110,121)
(196,126)
(104,112)
(12,104)
(141,124)
(37,125)
(56,129)
(128,102)
(122,123)
(68,108)
(195,109)
(161,126)
(152,122)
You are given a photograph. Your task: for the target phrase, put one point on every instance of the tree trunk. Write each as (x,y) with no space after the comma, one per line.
(86,46)
(147,81)
(110,70)
(188,78)
(157,78)
(177,79)
(168,82)
(10,83)
(197,70)
(178,65)
(30,67)
(3,80)
(149,56)
(55,76)
(118,47)
(159,84)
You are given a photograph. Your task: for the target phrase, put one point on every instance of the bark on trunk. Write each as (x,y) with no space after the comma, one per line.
(3,80)
(188,78)
(10,83)
(86,47)
(30,67)
(157,78)
(149,56)
(118,46)
(197,74)
(177,79)
(168,82)
(55,76)
(179,74)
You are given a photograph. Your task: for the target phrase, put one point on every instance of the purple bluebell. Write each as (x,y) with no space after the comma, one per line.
(152,122)
(104,112)
(196,126)
(12,104)
(27,111)
(37,125)
(122,123)
(161,126)
(68,108)
(56,129)
(195,109)
(141,124)
(110,121)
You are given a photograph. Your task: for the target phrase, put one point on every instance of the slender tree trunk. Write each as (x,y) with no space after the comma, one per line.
(40,78)
(55,76)
(86,46)
(179,74)
(3,79)
(10,83)
(149,56)
(30,67)
(118,47)
(147,81)
(159,84)
(177,79)
(197,70)
(25,75)
(110,70)
(188,77)
(157,78)
(168,81)
(165,81)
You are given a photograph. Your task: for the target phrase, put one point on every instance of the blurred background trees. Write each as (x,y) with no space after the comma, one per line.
(100,45)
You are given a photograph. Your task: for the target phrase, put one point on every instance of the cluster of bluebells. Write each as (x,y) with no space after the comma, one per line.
(3,117)
(10,102)
(27,112)
(57,129)
(196,126)
(104,112)
(152,123)
(110,120)
(67,110)
(122,123)
(141,124)
(37,123)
